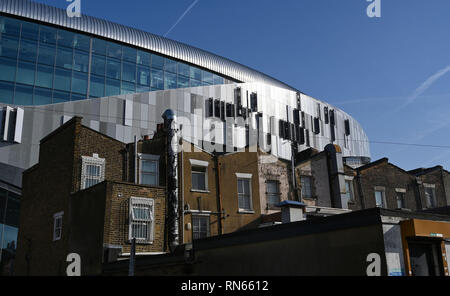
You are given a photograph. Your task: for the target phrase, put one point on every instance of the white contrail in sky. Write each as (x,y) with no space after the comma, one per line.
(181,17)
(424,86)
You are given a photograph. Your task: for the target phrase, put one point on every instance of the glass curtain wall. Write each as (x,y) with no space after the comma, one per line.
(9,227)
(43,65)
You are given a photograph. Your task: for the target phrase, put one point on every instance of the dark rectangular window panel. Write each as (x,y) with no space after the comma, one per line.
(230,110)
(303,119)
(254,102)
(217,108)
(269,139)
(237,97)
(332,120)
(316,125)
(247,135)
(244,112)
(293,132)
(222,110)
(307,138)
(281,132)
(332,133)
(325,111)
(347,127)
(209,107)
(287,131)
(296,117)
(300,135)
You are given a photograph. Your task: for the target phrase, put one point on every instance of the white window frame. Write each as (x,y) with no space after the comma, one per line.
(149,157)
(277,186)
(433,189)
(134,201)
(351,194)
(57,217)
(200,164)
(246,177)
(403,192)
(311,188)
(383,196)
(91,160)
(207,225)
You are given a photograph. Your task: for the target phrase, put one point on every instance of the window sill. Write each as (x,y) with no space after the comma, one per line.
(200,191)
(246,211)
(140,242)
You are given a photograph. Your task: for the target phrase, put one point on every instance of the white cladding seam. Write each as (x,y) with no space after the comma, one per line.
(116,32)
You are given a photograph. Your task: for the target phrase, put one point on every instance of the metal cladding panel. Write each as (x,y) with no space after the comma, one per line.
(138,38)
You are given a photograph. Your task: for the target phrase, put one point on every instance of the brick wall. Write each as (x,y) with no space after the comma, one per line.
(116,227)
(434,177)
(388,176)
(46,189)
(272,169)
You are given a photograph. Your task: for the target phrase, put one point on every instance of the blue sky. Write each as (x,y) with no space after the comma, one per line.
(392,73)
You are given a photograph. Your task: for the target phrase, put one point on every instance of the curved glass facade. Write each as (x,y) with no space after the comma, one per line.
(43,65)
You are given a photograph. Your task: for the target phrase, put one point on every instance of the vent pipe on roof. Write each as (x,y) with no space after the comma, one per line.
(172,178)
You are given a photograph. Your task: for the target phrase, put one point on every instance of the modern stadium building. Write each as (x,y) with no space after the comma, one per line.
(121,80)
